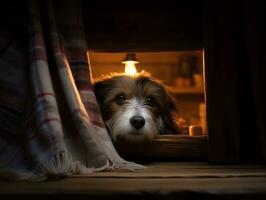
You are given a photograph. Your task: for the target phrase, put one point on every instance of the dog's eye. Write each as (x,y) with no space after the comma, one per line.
(150,101)
(120,99)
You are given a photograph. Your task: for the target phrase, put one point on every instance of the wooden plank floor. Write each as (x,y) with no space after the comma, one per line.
(161,179)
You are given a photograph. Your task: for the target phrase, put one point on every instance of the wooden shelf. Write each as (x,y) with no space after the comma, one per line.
(185,90)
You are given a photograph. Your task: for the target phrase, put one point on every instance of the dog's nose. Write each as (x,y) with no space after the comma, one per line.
(137,122)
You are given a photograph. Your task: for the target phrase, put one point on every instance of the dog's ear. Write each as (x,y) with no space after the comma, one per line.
(100,90)
(173,123)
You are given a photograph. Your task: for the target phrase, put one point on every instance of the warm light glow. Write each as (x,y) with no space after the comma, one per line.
(130,68)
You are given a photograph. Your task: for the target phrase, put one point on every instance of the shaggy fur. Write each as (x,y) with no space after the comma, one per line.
(136,107)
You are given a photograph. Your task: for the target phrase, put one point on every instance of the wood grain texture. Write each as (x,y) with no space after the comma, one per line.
(157,180)
(185,170)
(173,147)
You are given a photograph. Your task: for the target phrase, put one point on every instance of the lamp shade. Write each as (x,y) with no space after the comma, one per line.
(130,57)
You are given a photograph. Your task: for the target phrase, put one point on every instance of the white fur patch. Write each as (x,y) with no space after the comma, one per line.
(120,126)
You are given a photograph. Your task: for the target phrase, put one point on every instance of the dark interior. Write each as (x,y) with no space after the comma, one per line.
(144,26)
(232,34)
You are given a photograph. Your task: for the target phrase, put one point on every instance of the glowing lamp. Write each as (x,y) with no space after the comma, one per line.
(130,61)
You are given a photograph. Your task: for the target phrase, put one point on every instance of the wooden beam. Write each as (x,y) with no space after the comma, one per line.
(175,147)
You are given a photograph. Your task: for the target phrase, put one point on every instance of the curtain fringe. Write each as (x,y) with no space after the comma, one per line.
(131,166)
(58,165)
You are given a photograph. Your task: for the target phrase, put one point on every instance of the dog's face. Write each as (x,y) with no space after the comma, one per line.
(136,108)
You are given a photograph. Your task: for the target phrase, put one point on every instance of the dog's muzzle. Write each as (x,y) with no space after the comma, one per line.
(137,122)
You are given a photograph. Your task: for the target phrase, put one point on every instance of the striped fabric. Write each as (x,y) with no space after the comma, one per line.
(50,151)
(75,46)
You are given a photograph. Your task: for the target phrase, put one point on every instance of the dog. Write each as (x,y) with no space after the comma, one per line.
(136,108)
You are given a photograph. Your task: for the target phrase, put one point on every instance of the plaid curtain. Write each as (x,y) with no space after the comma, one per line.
(58,55)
